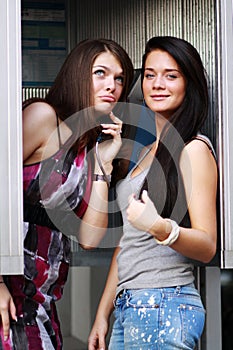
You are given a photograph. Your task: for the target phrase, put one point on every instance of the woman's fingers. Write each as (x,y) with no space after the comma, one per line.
(5,324)
(13,310)
(113,129)
(115,119)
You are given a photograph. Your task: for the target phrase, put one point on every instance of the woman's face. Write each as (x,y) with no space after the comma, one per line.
(164,85)
(108,82)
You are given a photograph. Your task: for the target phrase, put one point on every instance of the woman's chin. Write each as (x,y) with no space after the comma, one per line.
(104,108)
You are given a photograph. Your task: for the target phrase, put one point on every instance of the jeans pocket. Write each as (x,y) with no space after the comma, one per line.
(193,321)
(143,298)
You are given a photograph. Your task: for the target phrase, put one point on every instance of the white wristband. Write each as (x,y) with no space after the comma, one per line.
(174,234)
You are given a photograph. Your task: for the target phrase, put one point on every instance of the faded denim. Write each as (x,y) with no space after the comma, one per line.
(159,319)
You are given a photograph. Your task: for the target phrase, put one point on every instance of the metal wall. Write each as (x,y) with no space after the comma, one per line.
(132,22)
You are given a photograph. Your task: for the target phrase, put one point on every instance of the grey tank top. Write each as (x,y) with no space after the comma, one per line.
(141,262)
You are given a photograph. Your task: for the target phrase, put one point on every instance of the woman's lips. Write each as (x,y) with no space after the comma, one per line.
(159,97)
(108,98)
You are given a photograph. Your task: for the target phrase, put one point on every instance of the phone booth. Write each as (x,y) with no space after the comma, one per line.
(41,33)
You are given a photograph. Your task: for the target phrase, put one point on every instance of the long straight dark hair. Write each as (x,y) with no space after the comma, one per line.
(72,90)
(164,180)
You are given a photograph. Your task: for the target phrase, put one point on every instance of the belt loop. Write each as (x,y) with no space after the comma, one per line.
(178,289)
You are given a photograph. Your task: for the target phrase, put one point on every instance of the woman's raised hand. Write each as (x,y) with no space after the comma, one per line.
(108,149)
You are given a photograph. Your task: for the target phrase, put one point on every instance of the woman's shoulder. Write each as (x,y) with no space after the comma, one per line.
(39,116)
(199,154)
(39,109)
(39,124)
(200,144)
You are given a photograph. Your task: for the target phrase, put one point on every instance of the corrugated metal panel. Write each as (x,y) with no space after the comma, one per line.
(200,30)
(164,18)
(123,21)
(131,23)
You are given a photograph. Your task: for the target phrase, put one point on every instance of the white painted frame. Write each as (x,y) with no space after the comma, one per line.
(11,203)
(225,88)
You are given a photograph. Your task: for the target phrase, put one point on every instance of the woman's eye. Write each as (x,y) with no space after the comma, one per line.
(99,72)
(120,80)
(149,76)
(172,76)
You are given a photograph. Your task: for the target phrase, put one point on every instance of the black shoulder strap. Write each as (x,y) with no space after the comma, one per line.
(58,132)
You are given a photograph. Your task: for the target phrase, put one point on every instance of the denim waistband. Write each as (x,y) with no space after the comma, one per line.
(174,290)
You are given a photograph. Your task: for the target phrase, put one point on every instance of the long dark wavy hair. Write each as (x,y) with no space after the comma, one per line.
(164,180)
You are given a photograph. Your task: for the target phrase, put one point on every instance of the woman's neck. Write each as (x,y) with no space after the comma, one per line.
(160,122)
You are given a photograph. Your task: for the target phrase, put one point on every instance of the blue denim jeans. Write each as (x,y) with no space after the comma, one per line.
(159,319)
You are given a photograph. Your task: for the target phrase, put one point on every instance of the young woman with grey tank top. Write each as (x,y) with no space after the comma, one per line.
(168,205)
